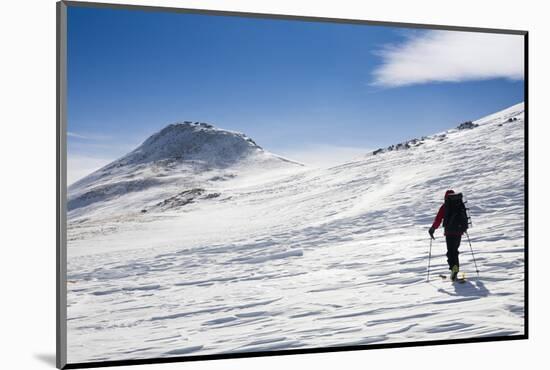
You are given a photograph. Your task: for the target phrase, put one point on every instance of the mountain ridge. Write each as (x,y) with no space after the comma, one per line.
(187,162)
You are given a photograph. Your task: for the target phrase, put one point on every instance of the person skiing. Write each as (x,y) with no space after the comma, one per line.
(455,222)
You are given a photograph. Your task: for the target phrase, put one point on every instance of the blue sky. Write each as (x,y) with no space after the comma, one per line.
(316,92)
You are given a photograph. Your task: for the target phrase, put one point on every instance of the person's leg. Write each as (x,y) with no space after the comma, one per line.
(452,250)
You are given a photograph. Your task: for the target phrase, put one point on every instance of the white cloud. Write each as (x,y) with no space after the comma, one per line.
(322,155)
(79,166)
(450,56)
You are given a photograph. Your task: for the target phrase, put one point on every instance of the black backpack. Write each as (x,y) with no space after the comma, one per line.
(456,218)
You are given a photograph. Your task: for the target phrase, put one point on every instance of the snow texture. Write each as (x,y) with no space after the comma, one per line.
(199,242)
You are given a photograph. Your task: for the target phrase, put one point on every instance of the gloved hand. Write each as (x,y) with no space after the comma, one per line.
(431,232)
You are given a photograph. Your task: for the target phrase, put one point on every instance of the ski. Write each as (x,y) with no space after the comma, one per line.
(460,279)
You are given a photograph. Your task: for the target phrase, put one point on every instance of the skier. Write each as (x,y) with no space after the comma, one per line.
(455,222)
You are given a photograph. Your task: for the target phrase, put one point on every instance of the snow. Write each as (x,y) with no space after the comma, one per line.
(291,257)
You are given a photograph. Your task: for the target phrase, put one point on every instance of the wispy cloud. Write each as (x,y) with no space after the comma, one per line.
(94,137)
(450,56)
(75,135)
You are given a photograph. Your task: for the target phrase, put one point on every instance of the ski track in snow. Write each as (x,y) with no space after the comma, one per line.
(317,258)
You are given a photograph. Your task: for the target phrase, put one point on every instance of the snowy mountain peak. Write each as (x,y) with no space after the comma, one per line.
(193,141)
(172,165)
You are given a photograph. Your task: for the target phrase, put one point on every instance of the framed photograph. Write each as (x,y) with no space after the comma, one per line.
(236,185)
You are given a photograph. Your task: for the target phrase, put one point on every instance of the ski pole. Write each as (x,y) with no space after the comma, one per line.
(429,260)
(468,236)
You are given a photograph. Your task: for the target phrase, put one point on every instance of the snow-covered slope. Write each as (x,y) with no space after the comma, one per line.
(309,258)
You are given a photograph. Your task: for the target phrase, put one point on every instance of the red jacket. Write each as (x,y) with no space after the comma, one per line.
(439,217)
